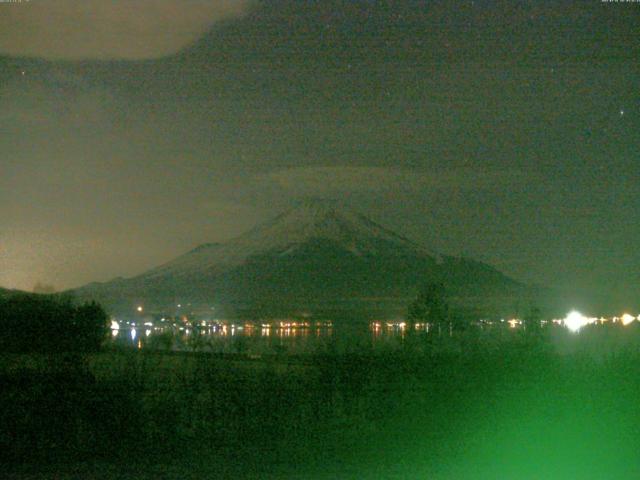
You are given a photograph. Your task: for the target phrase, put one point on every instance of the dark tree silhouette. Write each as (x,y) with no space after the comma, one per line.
(49,324)
(89,324)
(430,306)
(532,320)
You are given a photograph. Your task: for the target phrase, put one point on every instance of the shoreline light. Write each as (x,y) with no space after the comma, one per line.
(575,321)
(626,319)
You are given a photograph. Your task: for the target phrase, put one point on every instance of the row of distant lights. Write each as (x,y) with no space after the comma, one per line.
(575,320)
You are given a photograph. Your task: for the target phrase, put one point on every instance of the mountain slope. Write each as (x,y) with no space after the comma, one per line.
(288,232)
(313,254)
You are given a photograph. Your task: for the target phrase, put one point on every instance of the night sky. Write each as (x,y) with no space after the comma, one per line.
(505,131)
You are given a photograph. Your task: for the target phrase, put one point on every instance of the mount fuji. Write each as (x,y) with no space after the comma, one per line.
(313,255)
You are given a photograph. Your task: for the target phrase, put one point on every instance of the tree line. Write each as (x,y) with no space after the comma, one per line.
(31,323)
(431,306)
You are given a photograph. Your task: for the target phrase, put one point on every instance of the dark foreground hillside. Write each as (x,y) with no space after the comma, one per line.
(521,411)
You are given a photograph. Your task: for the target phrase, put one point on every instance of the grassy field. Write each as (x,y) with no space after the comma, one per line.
(554,407)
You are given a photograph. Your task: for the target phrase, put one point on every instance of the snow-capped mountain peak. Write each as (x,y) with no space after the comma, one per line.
(283,235)
(313,253)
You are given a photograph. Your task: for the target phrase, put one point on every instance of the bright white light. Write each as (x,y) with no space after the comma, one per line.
(139,308)
(133,334)
(627,319)
(115,325)
(575,321)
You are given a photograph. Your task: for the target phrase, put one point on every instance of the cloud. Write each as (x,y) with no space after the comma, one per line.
(330,181)
(99,29)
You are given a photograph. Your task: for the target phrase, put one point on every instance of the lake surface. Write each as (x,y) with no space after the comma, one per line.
(347,335)
(261,338)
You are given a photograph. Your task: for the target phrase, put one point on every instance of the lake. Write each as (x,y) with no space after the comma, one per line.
(293,337)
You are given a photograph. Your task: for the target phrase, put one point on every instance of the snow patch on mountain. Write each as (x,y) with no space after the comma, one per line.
(284,234)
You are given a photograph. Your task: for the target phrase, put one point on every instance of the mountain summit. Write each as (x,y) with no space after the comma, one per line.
(316,253)
(290,233)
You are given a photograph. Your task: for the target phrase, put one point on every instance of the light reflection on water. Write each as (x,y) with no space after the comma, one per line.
(260,338)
